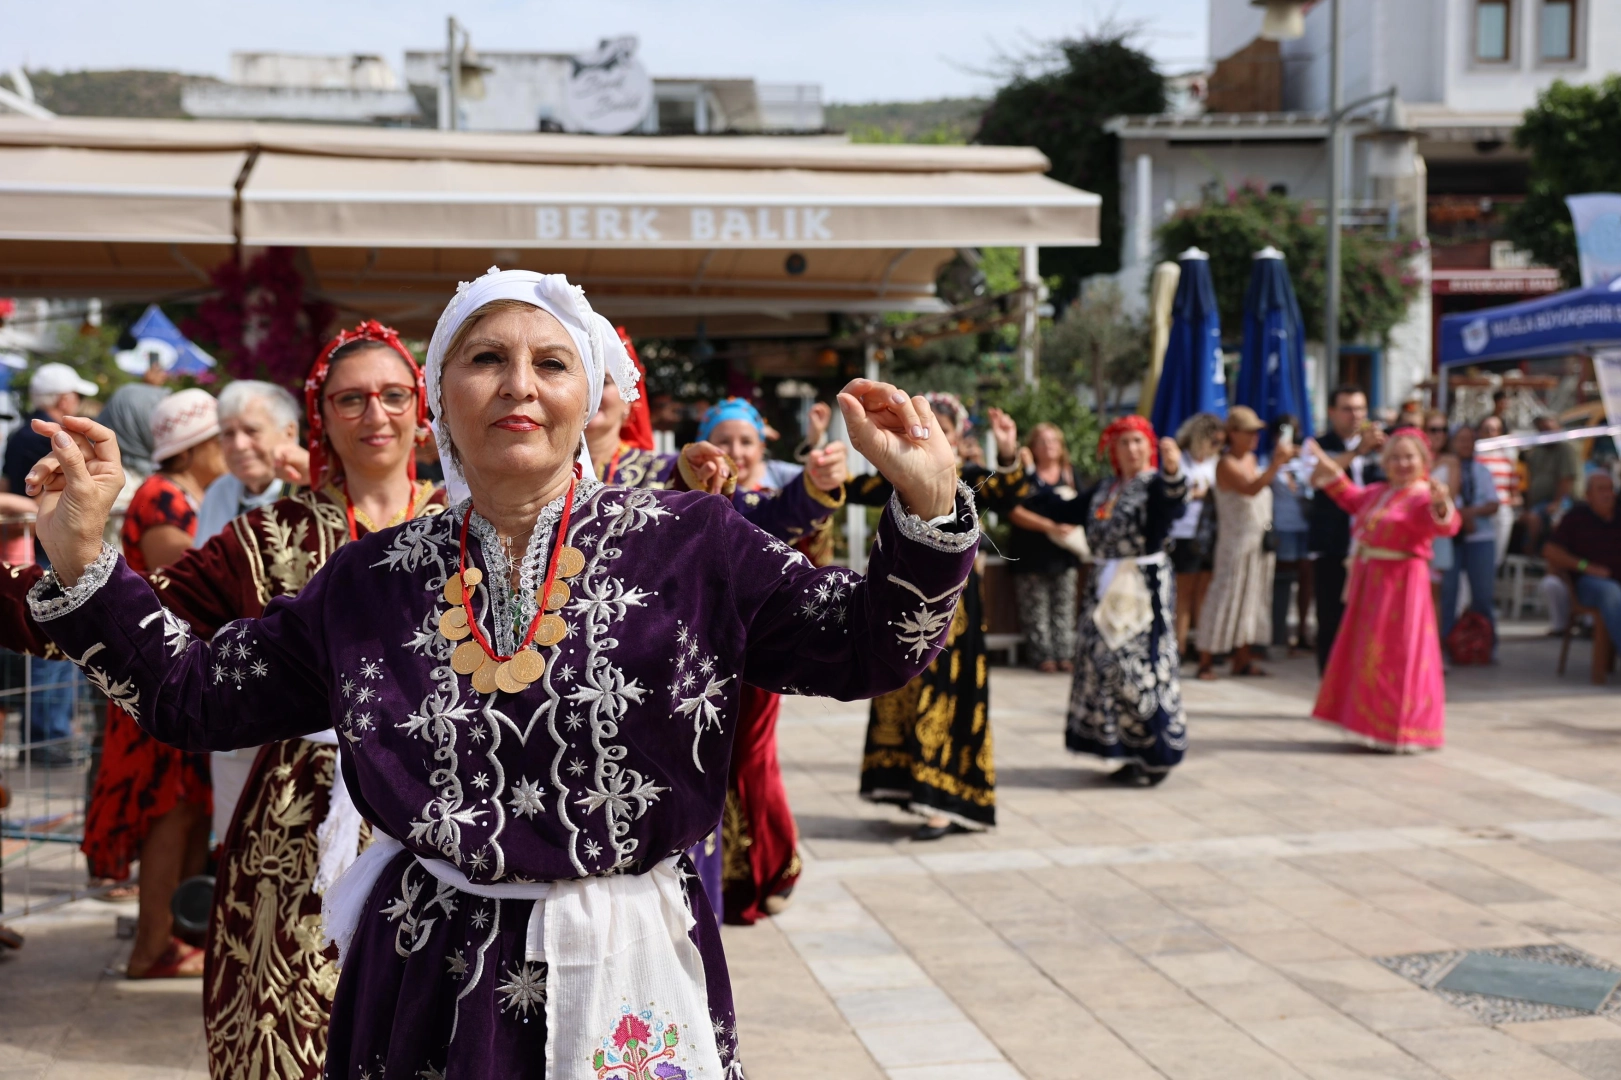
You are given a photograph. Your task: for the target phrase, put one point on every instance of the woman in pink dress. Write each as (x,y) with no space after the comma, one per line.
(1384,681)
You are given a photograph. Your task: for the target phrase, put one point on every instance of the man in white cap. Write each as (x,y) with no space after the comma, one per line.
(56,391)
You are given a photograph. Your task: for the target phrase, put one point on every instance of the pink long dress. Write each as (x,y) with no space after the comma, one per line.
(1384,681)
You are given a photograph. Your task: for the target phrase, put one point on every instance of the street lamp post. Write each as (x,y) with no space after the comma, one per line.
(453,75)
(1285,20)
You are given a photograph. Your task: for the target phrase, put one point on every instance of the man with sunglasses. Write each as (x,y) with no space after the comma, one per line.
(1354,444)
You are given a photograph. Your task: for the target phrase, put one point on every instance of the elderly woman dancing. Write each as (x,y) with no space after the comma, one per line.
(1384,681)
(1126,700)
(509,683)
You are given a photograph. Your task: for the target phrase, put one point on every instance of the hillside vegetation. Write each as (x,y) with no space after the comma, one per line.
(944,120)
(152,94)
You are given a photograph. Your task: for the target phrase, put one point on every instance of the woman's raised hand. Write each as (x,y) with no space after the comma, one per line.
(76,485)
(1006,433)
(290,463)
(1327,470)
(904,442)
(1170,457)
(826,467)
(705,467)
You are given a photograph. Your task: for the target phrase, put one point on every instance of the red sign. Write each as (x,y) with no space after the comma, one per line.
(1495,282)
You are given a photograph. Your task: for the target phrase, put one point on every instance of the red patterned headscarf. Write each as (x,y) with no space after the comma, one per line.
(322,470)
(1418,437)
(637,429)
(1112,433)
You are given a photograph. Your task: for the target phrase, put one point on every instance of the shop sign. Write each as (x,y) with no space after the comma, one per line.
(1495,282)
(719,225)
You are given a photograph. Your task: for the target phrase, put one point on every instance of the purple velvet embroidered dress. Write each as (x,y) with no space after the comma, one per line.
(611,763)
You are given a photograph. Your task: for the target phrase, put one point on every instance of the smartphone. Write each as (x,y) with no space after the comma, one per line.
(1286,435)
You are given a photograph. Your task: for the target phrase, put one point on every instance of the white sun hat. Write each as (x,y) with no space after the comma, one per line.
(182,421)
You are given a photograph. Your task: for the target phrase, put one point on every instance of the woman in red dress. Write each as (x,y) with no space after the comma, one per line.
(152,802)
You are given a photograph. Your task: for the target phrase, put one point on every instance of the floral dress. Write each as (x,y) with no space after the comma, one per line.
(1126,699)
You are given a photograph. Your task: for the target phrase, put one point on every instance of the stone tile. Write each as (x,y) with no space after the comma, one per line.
(1193,1042)
(1575,1029)
(1322,1038)
(1390,1010)
(951,1042)
(1598,1060)
(907,1005)
(1477,1053)
(847,974)
(1196,970)
(971,1071)
(1335,979)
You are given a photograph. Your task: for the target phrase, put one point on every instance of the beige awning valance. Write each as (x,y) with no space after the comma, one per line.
(389,220)
(369,202)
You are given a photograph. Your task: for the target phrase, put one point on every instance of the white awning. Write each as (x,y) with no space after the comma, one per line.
(389,219)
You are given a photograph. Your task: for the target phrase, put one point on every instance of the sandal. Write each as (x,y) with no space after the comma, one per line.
(1208,673)
(1251,671)
(179,961)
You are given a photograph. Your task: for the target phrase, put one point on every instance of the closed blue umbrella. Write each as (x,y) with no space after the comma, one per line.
(1272,367)
(1191,380)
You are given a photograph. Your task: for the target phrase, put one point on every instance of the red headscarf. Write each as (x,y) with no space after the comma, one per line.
(1423,444)
(1112,433)
(321,470)
(637,429)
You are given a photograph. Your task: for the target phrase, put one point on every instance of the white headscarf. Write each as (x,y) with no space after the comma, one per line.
(594,337)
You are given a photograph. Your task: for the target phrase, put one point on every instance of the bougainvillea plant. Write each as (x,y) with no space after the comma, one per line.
(259,322)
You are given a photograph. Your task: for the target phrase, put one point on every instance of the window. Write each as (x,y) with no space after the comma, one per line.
(1492,31)
(1557,31)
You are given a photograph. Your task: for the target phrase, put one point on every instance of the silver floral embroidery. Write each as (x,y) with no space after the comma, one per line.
(176,632)
(920,630)
(695,672)
(524,990)
(120,692)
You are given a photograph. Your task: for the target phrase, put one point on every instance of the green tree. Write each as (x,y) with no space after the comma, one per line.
(1377,285)
(1058,101)
(1571,132)
(1097,344)
(1053,401)
(89,351)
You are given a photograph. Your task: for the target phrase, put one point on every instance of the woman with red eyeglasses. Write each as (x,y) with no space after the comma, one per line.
(268,981)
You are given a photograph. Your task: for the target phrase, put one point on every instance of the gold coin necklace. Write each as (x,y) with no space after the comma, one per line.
(476,657)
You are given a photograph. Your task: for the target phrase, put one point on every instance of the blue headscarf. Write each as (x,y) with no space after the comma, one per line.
(733,408)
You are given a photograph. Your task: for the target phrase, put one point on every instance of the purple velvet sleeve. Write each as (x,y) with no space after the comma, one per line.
(256,681)
(791,512)
(834,633)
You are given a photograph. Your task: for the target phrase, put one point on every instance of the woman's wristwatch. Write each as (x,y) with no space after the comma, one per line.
(1581,566)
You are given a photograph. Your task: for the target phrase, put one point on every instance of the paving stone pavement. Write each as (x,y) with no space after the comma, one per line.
(1223,925)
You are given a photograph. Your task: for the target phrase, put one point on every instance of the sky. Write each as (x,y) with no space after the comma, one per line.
(858,50)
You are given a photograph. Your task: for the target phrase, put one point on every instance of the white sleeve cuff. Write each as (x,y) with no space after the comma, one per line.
(49,599)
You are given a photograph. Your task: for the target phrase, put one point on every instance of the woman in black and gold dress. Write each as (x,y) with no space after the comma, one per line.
(929,746)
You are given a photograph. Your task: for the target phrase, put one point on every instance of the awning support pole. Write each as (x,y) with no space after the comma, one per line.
(855,517)
(1029,343)
(236,202)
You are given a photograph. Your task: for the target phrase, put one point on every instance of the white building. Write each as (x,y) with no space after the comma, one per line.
(352,89)
(527,91)
(1442,165)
